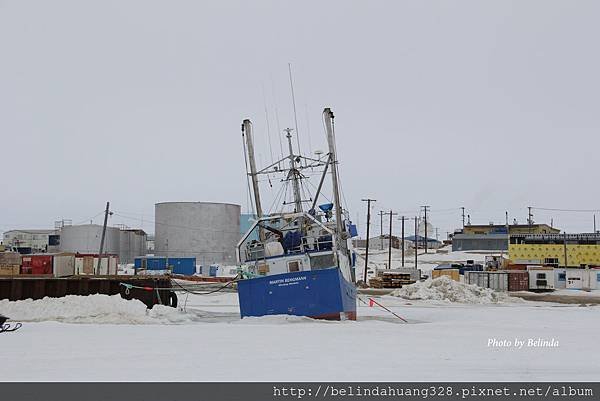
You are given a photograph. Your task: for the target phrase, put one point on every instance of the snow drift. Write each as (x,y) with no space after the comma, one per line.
(91,309)
(445,289)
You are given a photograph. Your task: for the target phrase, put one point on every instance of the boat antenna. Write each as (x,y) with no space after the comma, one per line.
(328,115)
(294,174)
(249,206)
(310,148)
(294,105)
(247,129)
(279,131)
(268,125)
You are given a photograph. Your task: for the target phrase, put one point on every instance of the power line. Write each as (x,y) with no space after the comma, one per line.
(566,210)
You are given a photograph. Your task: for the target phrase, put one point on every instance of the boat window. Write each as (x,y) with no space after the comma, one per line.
(322,261)
(294,266)
(562,276)
(541,276)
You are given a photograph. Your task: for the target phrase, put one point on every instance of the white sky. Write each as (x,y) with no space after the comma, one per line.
(489,105)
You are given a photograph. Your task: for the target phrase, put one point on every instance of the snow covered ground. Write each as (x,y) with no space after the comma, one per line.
(443,340)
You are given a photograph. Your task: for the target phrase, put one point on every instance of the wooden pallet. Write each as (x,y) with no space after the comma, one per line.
(388,281)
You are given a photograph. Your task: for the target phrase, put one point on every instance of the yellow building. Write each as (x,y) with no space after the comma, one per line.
(577,249)
(513,229)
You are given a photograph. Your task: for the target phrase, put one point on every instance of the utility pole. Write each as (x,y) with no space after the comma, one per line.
(530,220)
(565,249)
(402,241)
(463,216)
(594,224)
(425,208)
(416,242)
(106,212)
(392,214)
(381,213)
(368,200)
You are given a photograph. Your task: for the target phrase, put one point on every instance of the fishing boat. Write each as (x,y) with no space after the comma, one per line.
(299,261)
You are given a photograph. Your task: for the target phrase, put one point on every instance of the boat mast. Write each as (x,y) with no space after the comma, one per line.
(328,114)
(247,130)
(294,174)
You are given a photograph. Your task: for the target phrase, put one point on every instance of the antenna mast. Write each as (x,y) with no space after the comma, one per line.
(294,105)
(247,131)
(328,114)
(294,174)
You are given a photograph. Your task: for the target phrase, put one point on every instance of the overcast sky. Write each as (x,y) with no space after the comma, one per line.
(491,105)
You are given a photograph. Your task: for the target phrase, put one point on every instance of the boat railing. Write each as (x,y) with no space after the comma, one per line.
(256,250)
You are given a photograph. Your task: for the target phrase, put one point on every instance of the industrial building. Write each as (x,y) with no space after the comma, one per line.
(31,240)
(558,250)
(204,230)
(85,239)
(512,229)
(494,237)
(382,242)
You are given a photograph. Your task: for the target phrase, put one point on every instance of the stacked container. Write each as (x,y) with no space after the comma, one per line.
(594,279)
(87,264)
(518,280)
(575,278)
(183,266)
(38,264)
(151,263)
(541,278)
(452,273)
(10,263)
(497,281)
(63,265)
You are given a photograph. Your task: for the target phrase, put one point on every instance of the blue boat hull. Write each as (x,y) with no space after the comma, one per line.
(319,294)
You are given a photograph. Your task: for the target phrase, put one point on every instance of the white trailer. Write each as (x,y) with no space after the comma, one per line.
(541,278)
(593,279)
(575,278)
(63,265)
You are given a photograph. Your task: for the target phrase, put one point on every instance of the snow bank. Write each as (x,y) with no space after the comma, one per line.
(447,290)
(279,319)
(91,309)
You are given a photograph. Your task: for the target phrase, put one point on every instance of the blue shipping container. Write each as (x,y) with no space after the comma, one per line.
(151,263)
(183,266)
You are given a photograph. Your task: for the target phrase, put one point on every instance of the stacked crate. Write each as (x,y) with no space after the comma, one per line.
(10,263)
(390,280)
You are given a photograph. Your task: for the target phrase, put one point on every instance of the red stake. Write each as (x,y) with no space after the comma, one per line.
(372,301)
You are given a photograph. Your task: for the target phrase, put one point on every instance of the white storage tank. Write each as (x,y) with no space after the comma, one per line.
(204,230)
(132,244)
(86,239)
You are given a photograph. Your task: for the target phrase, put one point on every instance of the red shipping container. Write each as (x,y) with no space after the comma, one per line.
(37,264)
(518,280)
